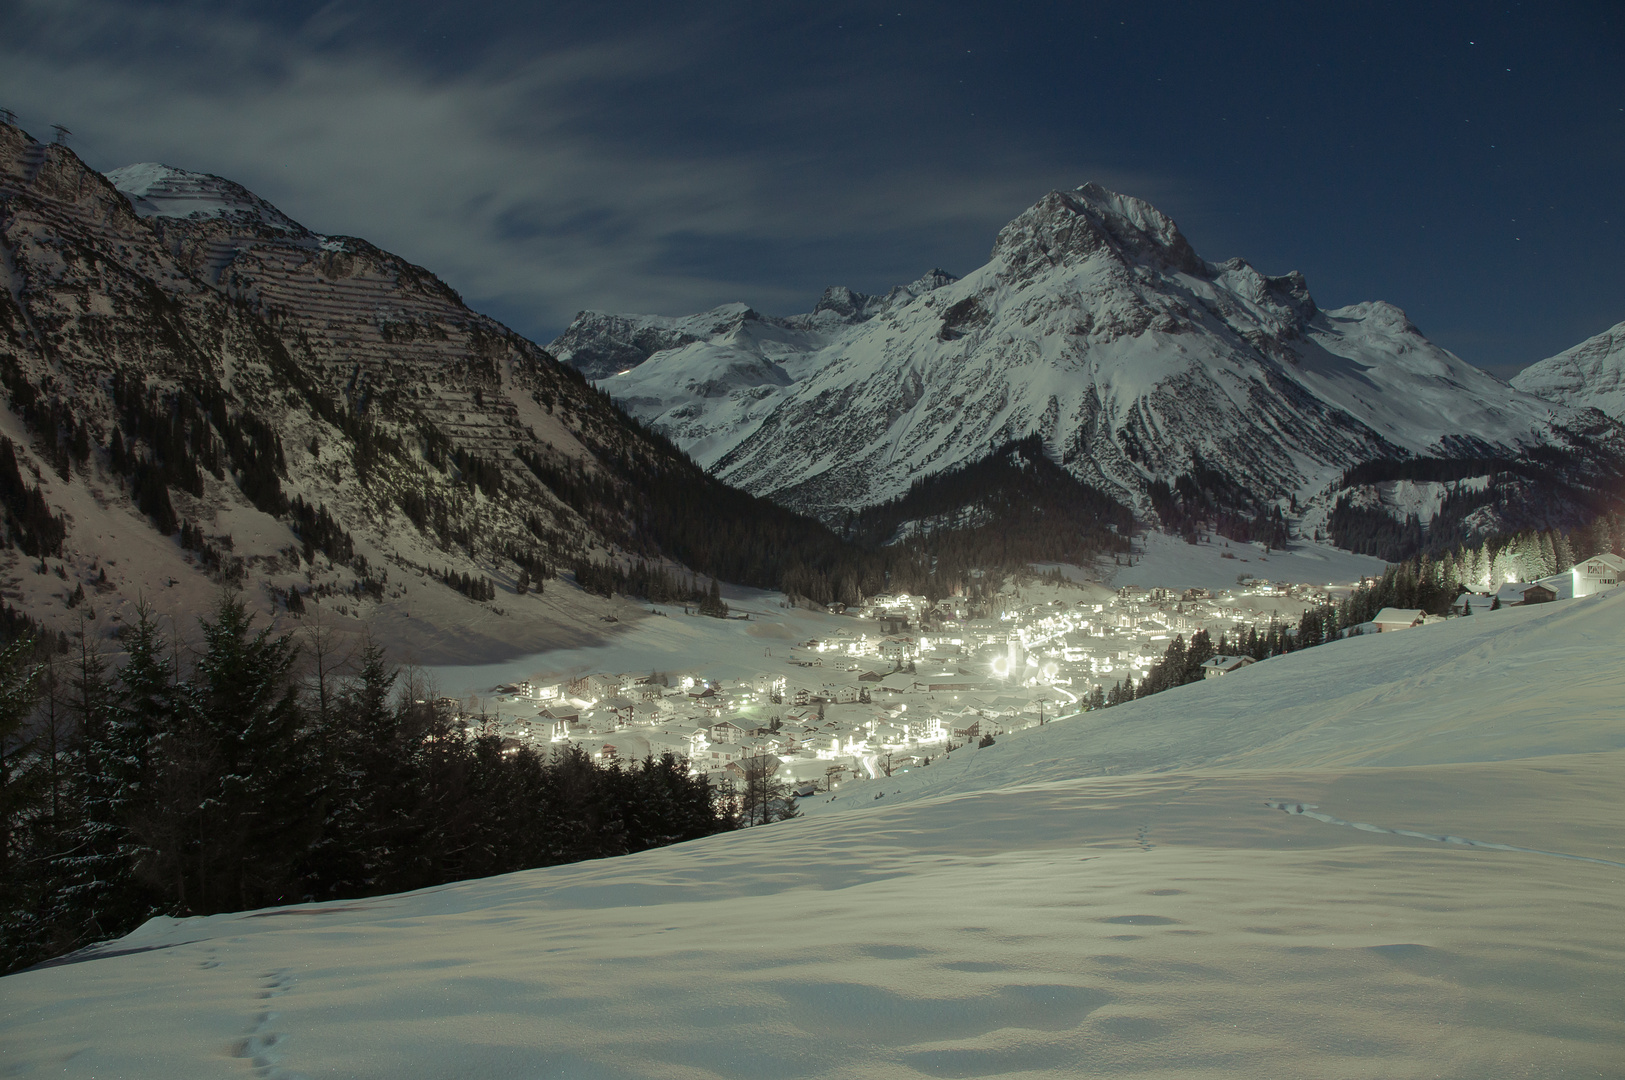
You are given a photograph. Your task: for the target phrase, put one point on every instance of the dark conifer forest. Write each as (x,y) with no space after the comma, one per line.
(1011,508)
(1545,490)
(224,781)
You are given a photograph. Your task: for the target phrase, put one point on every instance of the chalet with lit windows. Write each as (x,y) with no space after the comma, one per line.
(718,755)
(1215,666)
(898,648)
(1390,619)
(1597,574)
(977,726)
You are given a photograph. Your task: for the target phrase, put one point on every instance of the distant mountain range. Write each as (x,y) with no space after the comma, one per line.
(1096,328)
(203,391)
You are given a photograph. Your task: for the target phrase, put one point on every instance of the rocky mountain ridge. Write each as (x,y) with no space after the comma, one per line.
(1591,373)
(205,392)
(1097,327)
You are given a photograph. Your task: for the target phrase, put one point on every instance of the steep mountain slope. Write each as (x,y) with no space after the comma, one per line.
(1096,327)
(600,345)
(203,391)
(1592,373)
(1114,894)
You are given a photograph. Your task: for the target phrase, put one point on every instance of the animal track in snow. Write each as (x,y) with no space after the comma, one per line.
(1308,810)
(259,1047)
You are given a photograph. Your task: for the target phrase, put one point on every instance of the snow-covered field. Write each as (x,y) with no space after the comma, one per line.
(669,642)
(1108,895)
(1166,560)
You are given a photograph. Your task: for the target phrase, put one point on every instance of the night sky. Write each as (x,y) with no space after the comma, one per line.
(1464,161)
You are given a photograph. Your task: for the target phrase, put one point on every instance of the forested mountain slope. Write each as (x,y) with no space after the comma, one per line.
(204,392)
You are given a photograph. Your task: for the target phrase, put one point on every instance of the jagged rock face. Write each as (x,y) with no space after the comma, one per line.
(1592,373)
(1096,326)
(371,372)
(601,345)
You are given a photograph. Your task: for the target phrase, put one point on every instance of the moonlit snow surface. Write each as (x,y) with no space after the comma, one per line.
(1107,895)
(1216,563)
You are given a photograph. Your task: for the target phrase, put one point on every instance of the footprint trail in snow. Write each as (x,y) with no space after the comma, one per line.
(1308,810)
(260,1046)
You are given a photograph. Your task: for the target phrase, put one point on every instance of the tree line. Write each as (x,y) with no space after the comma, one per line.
(1420,582)
(1002,512)
(1204,499)
(226,781)
(1548,489)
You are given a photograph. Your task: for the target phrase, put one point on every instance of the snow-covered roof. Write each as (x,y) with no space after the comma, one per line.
(1607,558)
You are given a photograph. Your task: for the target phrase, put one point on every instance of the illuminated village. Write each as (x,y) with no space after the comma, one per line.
(900,683)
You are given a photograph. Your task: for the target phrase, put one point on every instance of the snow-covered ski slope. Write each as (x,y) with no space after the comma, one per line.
(1110,895)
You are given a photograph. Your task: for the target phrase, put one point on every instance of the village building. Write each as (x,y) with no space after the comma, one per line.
(1596,574)
(1390,619)
(738,768)
(725,731)
(595,687)
(717,755)
(898,649)
(1215,666)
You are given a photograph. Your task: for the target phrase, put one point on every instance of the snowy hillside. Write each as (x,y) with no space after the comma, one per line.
(290,412)
(1116,894)
(1094,325)
(1591,373)
(203,392)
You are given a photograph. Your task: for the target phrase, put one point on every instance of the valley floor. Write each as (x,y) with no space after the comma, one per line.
(1109,895)
(1161,559)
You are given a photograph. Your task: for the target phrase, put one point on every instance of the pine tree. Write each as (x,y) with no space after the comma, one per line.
(713,604)
(1199,652)
(95,895)
(243,701)
(143,723)
(1562,552)
(369,785)
(20,802)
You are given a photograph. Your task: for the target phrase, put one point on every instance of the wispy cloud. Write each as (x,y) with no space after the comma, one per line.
(509,175)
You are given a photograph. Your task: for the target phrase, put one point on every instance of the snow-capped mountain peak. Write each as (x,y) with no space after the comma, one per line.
(163,191)
(1090,220)
(1591,373)
(1094,326)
